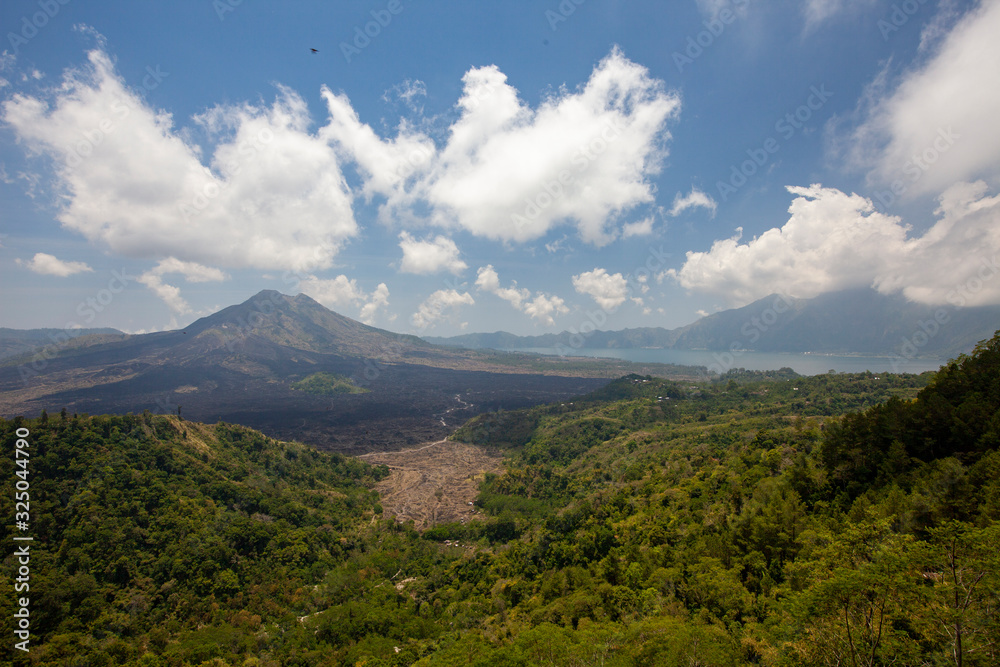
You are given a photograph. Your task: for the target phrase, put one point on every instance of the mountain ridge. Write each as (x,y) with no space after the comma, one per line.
(240,364)
(860,321)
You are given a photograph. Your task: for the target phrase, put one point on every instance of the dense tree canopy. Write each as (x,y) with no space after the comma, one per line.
(761,519)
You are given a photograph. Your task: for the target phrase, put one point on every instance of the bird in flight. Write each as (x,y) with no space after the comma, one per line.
(314,50)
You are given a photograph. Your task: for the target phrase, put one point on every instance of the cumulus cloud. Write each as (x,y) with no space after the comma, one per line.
(378,300)
(834,241)
(542,307)
(429,256)
(254,185)
(171,294)
(694,199)
(937,126)
(341,292)
(643,227)
(609,290)
(50,265)
(956,260)
(272,195)
(488,280)
(192,271)
(510,172)
(438,305)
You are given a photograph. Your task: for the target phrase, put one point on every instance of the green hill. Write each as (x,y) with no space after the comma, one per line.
(742,522)
(173,537)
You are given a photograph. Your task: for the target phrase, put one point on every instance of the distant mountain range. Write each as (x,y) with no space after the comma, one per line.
(15,342)
(847,322)
(239,365)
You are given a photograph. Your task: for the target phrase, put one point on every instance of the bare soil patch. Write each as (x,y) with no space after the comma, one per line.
(435,483)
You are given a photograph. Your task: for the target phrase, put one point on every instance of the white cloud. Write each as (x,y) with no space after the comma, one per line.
(268,192)
(711,8)
(559,245)
(409,93)
(274,198)
(429,256)
(332,292)
(694,199)
(171,294)
(641,228)
(510,172)
(192,272)
(956,261)
(834,241)
(437,304)
(488,280)
(52,266)
(379,299)
(341,291)
(608,290)
(819,11)
(387,167)
(542,307)
(939,125)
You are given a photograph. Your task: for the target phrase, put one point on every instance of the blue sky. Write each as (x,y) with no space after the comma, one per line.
(448,167)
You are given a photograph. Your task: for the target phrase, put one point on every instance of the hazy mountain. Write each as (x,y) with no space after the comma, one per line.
(302,323)
(238,365)
(852,321)
(16,342)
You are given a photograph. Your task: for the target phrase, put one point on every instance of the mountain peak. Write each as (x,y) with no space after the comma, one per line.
(300,322)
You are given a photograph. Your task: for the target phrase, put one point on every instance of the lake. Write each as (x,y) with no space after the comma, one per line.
(801,363)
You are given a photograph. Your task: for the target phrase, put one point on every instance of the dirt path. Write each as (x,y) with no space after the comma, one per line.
(435,483)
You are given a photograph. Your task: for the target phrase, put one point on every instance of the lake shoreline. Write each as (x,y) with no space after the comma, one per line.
(720,361)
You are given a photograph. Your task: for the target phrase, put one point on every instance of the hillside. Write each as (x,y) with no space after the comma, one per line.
(650,522)
(849,322)
(160,534)
(242,364)
(23,342)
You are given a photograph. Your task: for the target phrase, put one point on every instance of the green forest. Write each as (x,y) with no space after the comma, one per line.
(327,384)
(759,519)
